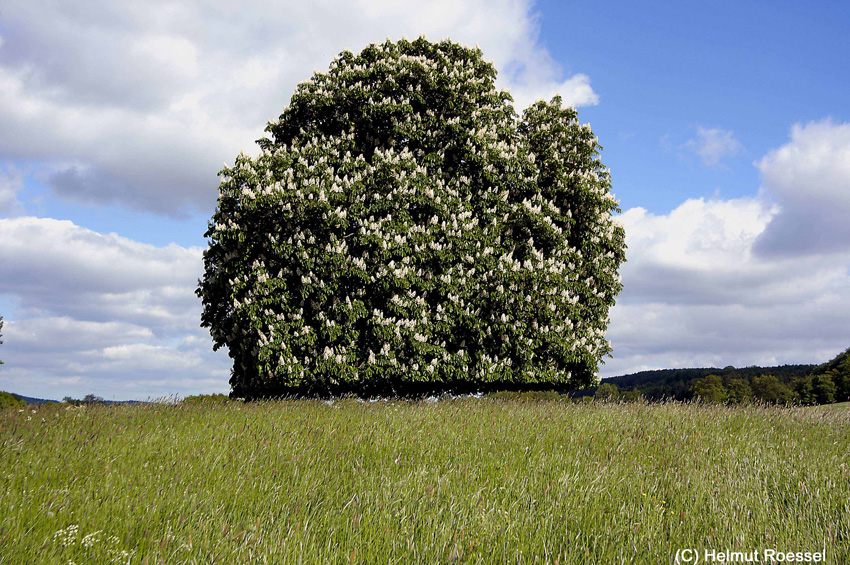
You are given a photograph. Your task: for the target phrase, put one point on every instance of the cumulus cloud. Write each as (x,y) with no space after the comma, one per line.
(748,281)
(11,182)
(99,313)
(809,177)
(140,105)
(56,266)
(696,293)
(575,91)
(712,145)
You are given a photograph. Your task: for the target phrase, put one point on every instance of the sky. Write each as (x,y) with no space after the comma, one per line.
(725,125)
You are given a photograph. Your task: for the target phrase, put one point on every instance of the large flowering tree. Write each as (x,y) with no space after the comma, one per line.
(403,230)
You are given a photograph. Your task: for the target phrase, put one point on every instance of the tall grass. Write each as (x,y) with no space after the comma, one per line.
(469,481)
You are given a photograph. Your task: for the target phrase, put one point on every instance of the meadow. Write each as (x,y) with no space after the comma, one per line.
(466,481)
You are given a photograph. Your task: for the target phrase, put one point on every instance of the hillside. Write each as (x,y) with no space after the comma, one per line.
(796,384)
(33,401)
(677,383)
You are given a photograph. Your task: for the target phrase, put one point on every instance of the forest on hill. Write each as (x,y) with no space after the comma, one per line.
(785,384)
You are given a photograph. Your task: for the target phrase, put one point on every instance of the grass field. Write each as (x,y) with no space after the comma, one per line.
(467,481)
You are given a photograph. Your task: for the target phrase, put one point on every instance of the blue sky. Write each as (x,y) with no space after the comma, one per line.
(725,126)
(663,69)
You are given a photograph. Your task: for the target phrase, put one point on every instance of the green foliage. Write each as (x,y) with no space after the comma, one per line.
(795,384)
(823,389)
(678,383)
(459,481)
(788,384)
(631,396)
(529,395)
(803,391)
(86,400)
(205,399)
(838,371)
(9,400)
(403,231)
(607,392)
(769,389)
(709,389)
(738,390)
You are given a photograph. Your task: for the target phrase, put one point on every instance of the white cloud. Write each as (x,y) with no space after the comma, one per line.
(173,55)
(712,145)
(98,313)
(696,293)
(140,105)
(11,182)
(56,266)
(575,91)
(810,179)
(749,281)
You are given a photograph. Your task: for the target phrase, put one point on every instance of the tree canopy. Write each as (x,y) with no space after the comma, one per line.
(832,379)
(607,392)
(404,230)
(9,400)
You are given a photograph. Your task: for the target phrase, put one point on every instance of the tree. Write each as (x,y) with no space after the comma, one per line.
(632,396)
(803,391)
(9,400)
(402,230)
(607,392)
(709,389)
(838,370)
(738,390)
(86,400)
(769,389)
(823,389)
(205,399)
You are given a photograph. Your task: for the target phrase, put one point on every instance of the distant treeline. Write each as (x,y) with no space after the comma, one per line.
(786,384)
